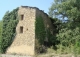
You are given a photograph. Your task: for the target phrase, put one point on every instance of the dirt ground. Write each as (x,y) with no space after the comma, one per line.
(6,55)
(46,55)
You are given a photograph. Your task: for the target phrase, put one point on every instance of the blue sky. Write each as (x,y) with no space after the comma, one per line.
(6,5)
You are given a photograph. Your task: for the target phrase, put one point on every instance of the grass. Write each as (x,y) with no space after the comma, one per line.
(60,52)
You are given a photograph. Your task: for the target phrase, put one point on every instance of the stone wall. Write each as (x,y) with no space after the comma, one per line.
(24,41)
(47,21)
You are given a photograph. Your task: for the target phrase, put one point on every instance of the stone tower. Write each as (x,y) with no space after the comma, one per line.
(24,42)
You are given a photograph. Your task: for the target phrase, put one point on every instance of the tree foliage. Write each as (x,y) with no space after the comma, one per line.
(10,21)
(67,10)
(1,24)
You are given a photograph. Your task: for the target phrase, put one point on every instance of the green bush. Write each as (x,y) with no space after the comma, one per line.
(10,21)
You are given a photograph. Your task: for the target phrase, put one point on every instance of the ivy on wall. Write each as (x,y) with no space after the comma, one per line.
(40,34)
(40,29)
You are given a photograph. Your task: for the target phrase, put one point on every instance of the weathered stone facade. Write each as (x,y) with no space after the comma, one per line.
(24,42)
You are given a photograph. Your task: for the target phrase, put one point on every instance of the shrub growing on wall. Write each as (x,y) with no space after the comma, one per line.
(40,33)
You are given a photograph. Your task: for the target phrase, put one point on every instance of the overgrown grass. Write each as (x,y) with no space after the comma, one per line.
(61,51)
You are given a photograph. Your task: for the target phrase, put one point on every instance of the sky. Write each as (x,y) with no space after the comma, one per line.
(6,5)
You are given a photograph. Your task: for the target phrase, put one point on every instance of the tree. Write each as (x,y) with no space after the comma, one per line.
(1,24)
(10,21)
(66,9)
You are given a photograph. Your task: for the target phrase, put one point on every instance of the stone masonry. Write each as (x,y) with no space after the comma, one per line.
(24,41)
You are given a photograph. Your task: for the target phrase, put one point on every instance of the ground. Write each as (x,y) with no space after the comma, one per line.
(42,55)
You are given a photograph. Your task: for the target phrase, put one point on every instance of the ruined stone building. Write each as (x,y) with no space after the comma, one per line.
(24,42)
